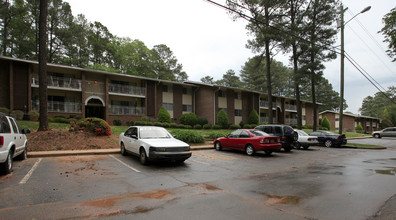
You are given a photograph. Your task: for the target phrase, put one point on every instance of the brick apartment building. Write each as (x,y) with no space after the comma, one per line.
(78,92)
(350,121)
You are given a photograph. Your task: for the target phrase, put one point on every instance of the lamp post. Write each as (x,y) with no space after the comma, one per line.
(342,62)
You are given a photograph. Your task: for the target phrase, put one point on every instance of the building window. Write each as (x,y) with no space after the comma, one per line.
(238,112)
(166,88)
(238,95)
(337,119)
(224,109)
(222,94)
(187,108)
(168,106)
(187,91)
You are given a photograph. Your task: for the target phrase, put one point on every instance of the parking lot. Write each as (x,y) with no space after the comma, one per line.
(319,183)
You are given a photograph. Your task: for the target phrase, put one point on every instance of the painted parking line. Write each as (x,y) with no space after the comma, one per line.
(137,171)
(29,174)
(197,161)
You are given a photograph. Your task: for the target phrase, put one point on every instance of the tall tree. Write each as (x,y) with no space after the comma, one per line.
(165,64)
(230,79)
(320,33)
(99,39)
(267,18)
(376,106)
(43,121)
(207,80)
(389,32)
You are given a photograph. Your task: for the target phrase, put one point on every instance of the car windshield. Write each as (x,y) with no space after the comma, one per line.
(258,133)
(154,133)
(302,133)
(328,133)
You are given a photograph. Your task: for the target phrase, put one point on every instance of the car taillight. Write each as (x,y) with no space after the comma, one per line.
(283,138)
(1,140)
(264,141)
(339,138)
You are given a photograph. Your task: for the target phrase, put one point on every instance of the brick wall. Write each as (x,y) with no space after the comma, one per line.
(204,105)
(177,103)
(4,84)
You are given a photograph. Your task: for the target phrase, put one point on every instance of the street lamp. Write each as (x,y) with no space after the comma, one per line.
(342,61)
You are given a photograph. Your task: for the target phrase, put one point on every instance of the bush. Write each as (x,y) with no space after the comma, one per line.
(173,125)
(323,128)
(61,119)
(117,122)
(5,110)
(235,127)
(253,117)
(144,118)
(197,126)
(308,126)
(216,127)
(202,121)
(163,115)
(222,119)
(359,128)
(189,136)
(34,115)
(189,119)
(17,114)
(242,124)
(326,123)
(249,126)
(144,123)
(95,125)
(207,126)
(217,134)
(130,123)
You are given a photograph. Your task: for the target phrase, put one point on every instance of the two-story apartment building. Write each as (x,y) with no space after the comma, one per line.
(78,92)
(350,121)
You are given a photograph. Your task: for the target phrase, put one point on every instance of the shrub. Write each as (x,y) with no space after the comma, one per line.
(207,126)
(130,123)
(222,119)
(173,125)
(17,114)
(34,115)
(325,123)
(187,127)
(144,118)
(216,127)
(5,110)
(117,122)
(61,119)
(163,115)
(323,128)
(308,126)
(359,128)
(249,126)
(235,127)
(202,121)
(51,120)
(189,136)
(197,126)
(144,123)
(95,125)
(241,124)
(253,117)
(217,134)
(189,119)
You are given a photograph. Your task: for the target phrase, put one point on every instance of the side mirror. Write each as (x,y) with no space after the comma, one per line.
(134,136)
(25,131)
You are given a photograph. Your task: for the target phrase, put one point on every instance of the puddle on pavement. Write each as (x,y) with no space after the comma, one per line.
(292,200)
(330,170)
(391,171)
(381,161)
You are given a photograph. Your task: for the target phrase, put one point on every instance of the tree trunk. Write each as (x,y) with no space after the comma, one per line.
(43,122)
(268,67)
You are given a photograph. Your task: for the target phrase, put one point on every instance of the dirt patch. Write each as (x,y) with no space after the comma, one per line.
(65,140)
(157,194)
(293,200)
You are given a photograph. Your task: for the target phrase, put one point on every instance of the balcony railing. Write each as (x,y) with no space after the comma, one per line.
(291,107)
(125,89)
(53,106)
(266,103)
(291,121)
(126,110)
(265,119)
(60,82)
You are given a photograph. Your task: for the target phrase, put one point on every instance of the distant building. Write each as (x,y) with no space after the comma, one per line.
(350,121)
(78,92)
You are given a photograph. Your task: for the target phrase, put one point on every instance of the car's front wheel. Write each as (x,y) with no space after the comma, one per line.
(328,143)
(377,135)
(123,150)
(218,145)
(143,157)
(249,150)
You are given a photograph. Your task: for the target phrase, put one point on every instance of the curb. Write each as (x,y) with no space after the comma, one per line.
(35,154)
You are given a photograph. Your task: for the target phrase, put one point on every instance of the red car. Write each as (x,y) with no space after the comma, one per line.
(249,140)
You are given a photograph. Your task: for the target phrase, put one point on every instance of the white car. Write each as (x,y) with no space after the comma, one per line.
(304,140)
(153,143)
(13,142)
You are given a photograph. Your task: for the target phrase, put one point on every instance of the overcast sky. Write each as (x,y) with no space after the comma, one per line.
(207,41)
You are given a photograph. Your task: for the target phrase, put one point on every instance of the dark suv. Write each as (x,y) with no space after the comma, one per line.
(286,133)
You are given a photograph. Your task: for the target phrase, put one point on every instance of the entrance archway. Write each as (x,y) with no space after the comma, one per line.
(94,107)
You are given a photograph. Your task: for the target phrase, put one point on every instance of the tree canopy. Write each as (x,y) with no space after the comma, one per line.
(389,32)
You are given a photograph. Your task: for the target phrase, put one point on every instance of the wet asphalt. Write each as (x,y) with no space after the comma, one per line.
(318,183)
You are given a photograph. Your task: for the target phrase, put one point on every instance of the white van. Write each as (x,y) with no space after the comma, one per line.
(13,142)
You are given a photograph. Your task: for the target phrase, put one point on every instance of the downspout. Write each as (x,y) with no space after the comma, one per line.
(214,105)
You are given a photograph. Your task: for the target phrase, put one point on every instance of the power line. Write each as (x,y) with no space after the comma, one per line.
(328,47)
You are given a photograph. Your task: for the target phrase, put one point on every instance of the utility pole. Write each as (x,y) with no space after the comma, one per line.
(342,25)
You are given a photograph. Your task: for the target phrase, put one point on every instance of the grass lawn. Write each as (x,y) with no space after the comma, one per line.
(369,146)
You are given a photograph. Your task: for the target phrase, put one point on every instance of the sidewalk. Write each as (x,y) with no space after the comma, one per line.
(61,153)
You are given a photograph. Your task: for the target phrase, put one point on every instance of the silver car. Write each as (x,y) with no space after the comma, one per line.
(153,143)
(387,132)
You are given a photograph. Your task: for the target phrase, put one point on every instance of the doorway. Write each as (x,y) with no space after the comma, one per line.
(94,108)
